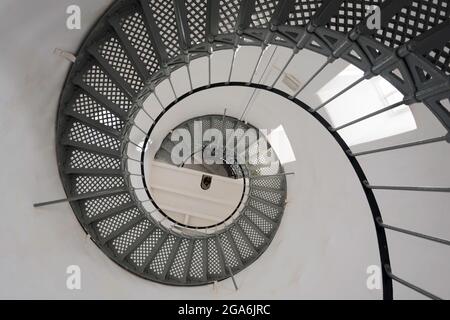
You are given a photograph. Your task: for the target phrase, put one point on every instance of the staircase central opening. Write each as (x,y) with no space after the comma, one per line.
(195,178)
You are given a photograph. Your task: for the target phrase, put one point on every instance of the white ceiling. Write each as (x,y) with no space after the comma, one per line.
(326,240)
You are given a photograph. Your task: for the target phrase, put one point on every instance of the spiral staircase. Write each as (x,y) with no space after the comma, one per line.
(126,80)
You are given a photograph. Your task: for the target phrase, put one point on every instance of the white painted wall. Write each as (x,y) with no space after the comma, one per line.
(326,240)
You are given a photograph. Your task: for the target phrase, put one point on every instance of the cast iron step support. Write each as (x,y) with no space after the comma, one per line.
(413,53)
(182,24)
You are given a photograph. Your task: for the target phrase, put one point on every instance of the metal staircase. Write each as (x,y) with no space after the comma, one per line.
(136,47)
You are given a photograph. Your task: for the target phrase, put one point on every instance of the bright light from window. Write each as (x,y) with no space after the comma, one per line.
(281,145)
(367,97)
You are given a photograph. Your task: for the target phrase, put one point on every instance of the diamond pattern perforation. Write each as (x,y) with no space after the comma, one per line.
(196,268)
(229,124)
(269,182)
(214,261)
(217,123)
(94,207)
(412,21)
(265,226)
(122,242)
(98,80)
(303,11)
(109,225)
(256,239)
(230,256)
(196,16)
(88,107)
(441,58)
(228,14)
(139,256)
(87,135)
(111,50)
(351,13)
(206,124)
(273,197)
(264,10)
(135,29)
(80,159)
(88,184)
(243,247)
(269,211)
(179,263)
(164,15)
(158,264)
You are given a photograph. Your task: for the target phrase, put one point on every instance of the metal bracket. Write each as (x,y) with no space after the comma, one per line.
(65,54)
